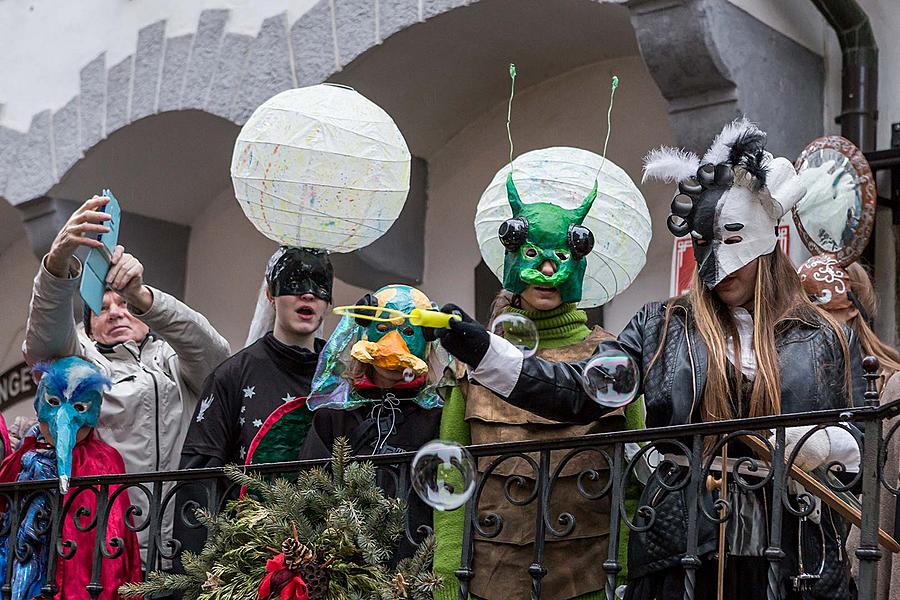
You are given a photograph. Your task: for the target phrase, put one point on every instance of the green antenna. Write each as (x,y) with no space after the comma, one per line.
(512,93)
(612,94)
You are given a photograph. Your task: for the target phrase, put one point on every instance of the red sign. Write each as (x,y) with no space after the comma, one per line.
(683,262)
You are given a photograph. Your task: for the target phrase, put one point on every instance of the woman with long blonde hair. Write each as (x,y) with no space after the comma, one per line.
(745,341)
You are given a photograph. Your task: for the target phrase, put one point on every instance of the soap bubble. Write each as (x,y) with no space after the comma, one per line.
(519,330)
(443,474)
(610,378)
(408,375)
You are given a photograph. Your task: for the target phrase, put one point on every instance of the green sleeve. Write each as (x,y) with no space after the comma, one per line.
(449,526)
(635,415)
(635,418)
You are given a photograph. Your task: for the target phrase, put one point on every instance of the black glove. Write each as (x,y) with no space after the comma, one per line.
(467,339)
(624,380)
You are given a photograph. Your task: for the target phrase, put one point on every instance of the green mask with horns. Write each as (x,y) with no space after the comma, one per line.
(539,232)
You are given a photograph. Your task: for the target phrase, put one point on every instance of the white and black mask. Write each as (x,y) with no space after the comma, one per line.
(730,203)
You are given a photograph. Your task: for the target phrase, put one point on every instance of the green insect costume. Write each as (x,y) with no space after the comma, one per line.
(580,231)
(541,232)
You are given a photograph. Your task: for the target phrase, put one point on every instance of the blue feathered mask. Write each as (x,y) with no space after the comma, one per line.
(68,398)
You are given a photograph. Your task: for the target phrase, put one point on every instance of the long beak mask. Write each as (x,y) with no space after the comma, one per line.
(390,352)
(65,432)
(68,398)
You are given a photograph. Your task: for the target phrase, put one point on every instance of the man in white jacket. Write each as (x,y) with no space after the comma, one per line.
(155,349)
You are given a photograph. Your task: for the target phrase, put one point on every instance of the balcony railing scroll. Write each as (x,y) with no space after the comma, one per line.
(617,458)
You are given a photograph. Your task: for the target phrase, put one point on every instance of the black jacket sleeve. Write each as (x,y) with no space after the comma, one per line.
(553,390)
(213,436)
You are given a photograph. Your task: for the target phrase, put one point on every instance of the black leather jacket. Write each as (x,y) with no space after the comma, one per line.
(812,378)
(812,371)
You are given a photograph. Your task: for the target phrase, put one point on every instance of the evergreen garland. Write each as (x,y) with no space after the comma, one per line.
(333,529)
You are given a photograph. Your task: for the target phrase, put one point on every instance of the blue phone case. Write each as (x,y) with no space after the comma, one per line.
(96,266)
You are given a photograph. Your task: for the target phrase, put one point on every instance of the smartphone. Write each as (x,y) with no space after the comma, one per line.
(97,264)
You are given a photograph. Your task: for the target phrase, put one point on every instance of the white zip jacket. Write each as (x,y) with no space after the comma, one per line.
(145,415)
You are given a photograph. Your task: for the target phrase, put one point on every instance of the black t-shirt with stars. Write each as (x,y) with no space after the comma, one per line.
(240,394)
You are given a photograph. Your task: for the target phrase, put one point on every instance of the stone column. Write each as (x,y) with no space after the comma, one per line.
(714,62)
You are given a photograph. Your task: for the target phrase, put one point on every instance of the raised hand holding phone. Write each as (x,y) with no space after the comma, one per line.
(105,210)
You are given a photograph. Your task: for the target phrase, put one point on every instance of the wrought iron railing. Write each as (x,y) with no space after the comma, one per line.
(606,480)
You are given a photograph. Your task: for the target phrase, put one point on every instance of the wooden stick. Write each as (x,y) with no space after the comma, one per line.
(723,526)
(823,492)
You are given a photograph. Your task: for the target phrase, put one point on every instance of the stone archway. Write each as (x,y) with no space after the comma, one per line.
(707,57)
(710,59)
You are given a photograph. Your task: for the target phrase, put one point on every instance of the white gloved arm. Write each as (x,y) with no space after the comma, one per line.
(825,446)
(844,448)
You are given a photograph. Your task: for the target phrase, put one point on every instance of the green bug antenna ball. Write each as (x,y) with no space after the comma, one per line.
(512,93)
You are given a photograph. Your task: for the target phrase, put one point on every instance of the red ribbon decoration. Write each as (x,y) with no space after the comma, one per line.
(277,575)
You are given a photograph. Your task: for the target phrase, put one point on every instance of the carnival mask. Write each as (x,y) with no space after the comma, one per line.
(68,398)
(540,232)
(296,271)
(395,345)
(826,283)
(730,203)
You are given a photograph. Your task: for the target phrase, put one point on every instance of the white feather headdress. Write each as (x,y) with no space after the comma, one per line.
(721,147)
(671,165)
(674,165)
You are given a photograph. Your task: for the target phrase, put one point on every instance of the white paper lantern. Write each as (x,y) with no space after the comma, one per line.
(563,176)
(321,167)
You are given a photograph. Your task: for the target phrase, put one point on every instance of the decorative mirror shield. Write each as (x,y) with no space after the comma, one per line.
(836,214)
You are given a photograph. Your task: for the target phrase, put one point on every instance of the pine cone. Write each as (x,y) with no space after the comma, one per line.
(316,578)
(212,582)
(400,584)
(296,554)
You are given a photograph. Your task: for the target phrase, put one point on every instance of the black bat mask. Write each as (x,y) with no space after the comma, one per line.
(296,271)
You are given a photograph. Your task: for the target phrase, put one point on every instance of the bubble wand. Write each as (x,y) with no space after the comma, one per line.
(417,317)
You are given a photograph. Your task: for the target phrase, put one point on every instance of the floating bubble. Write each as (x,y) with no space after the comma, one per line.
(519,330)
(443,474)
(408,375)
(610,378)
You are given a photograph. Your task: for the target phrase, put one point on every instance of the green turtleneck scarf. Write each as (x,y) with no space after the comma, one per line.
(559,327)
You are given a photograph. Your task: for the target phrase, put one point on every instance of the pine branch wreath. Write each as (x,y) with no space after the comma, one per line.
(329,535)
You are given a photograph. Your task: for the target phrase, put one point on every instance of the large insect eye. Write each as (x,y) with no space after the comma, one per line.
(530,252)
(53,401)
(580,240)
(513,233)
(706,175)
(81,407)
(678,226)
(682,204)
(691,187)
(724,175)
